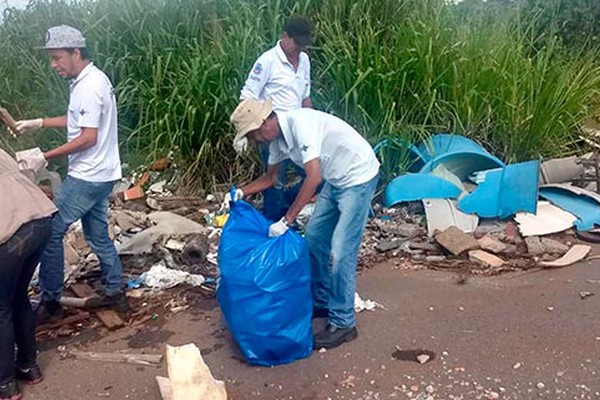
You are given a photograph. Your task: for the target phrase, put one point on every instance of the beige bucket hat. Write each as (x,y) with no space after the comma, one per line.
(248,116)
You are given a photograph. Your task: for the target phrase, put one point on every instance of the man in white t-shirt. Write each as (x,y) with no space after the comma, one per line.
(283,75)
(330,150)
(94,166)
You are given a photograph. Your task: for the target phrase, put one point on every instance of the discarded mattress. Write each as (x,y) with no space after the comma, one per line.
(444,213)
(502,192)
(460,155)
(548,219)
(585,205)
(412,187)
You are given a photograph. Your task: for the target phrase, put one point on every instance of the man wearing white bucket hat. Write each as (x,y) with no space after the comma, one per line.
(330,150)
(94,167)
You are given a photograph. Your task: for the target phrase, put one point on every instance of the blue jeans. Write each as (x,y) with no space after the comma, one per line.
(88,202)
(334,233)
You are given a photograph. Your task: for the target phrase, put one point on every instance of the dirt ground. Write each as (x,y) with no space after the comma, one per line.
(523,335)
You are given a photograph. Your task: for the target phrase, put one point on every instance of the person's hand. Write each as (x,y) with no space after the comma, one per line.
(29,125)
(238,195)
(278,228)
(32,159)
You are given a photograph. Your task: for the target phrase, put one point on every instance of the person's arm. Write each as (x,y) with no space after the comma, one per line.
(55,122)
(87,139)
(257,79)
(307,190)
(265,181)
(307,103)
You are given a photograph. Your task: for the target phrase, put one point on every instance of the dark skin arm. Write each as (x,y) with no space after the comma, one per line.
(87,139)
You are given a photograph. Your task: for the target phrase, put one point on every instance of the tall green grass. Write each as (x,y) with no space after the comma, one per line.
(392,68)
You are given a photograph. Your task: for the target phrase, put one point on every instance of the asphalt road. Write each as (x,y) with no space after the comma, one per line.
(518,336)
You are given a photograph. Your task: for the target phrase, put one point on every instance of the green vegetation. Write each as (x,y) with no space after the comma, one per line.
(392,68)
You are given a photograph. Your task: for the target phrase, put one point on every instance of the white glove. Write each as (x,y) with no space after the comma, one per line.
(278,228)
(32,159)
(238,195)
(28,125)
(241,145)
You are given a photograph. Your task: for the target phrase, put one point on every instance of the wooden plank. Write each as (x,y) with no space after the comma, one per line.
(9,121)
(65,321)
(109,318)
(123,358)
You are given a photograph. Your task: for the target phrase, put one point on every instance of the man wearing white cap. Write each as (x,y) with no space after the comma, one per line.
(94,167)
(330,150)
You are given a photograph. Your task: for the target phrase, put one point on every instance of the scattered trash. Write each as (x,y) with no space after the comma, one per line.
(419,355)
(585,205)
(444,213)
(584,294)
(362,305)
(485,258)
(122,358)
(161,277)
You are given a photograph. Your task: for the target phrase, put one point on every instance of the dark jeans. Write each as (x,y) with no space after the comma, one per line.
(18,258)
(277,199)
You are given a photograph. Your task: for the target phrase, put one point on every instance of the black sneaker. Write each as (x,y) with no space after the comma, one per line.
(31,375)
(117,302)
(320,312)
(332,336)
(48,312)
(10,391)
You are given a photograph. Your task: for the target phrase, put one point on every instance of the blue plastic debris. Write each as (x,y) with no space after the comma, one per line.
(412,187)
(502,192)
(460,155)
(585,205)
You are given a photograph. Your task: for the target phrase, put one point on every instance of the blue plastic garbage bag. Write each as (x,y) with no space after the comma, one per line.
(264,289)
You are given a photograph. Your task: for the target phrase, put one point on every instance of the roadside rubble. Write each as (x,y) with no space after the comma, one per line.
(458,208)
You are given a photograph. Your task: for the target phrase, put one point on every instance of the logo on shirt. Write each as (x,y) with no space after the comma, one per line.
(257,69)
(304,148)
(82,112)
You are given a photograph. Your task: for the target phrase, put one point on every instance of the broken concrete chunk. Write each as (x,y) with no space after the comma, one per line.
(456,241)
(485,258)
(71,255)
(491,244)
(554,246)
(387,245)
(535,246)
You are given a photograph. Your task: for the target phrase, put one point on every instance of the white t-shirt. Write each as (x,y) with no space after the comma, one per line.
(274,76)
(346,158)
(92,105)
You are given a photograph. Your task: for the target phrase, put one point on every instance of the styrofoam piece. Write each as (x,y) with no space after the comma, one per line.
(548,219)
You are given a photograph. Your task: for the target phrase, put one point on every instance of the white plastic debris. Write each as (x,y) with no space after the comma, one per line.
(361,305)
(161,277)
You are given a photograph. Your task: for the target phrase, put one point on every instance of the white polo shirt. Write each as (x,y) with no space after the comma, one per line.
(274,76)
(346,158)
(92,105)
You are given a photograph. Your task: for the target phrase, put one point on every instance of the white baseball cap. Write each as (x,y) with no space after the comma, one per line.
(64,37)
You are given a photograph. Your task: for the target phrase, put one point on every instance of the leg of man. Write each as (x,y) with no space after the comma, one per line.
(95,229)
(319,232)
(354,204)
(75,199)
(23,316)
